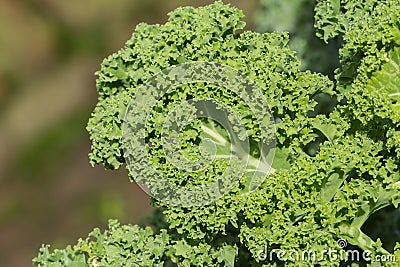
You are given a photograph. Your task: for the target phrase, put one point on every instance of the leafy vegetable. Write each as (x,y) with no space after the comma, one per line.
(332,169)
(125,244)
(297,18)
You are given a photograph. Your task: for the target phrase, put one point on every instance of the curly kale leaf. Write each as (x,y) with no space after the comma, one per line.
(120,245)
(297,18)
(371,36)
(332,170)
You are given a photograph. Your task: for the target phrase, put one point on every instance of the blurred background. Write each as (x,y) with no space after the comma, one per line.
(49,51)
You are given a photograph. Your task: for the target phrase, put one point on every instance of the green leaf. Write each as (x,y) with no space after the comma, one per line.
(228,255)
(331,186)
(387,80)
(181,248)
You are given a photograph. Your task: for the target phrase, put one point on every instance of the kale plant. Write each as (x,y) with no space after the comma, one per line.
(311,178)
(297,18)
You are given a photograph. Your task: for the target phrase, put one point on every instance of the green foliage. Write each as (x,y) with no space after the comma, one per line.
(332,171)
(130,245)
(371,38)
(124,245)
(297,18)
